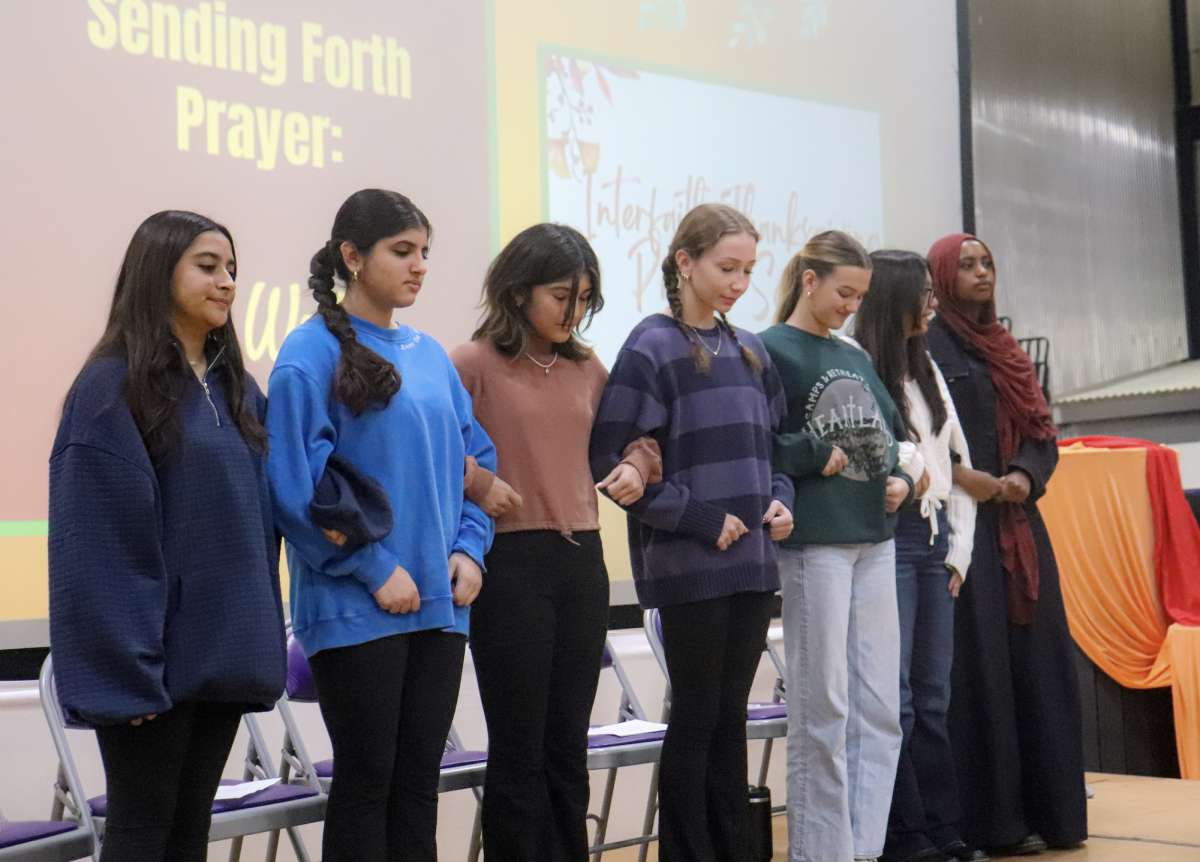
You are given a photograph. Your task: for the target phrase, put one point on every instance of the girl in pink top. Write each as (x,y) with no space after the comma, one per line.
(539,624)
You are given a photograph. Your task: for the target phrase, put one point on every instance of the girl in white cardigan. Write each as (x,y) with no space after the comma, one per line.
(934,539)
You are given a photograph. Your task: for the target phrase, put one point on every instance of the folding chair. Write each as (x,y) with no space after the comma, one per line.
(461,769)
(43,840)
(282,806)
(613,752)
(607,751)
(765,721)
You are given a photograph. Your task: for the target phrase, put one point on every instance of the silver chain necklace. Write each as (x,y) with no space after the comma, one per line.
(703,343)
(546,368)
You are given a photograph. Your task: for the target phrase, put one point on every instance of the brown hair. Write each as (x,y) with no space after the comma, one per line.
(824,253)
(541,254)
(701,229)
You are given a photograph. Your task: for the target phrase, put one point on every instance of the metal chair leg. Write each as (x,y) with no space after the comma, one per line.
(298,844)
(476,831)
(766,762)
(605,811)
(651,811)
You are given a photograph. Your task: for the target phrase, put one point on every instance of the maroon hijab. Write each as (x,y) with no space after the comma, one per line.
(1021,414)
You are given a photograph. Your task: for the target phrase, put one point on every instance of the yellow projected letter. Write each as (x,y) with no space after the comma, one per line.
(267,343)
(295,139)
(272,51)
(102,32)
(198,36)
(337,62)
(377,65)
(398,66)
(319,125)
(189,113)
(310,50)
(241,135)
(361,49)
(242,36)
(222,36)
(268,137)
(165,24)
(215,110)
(135,20)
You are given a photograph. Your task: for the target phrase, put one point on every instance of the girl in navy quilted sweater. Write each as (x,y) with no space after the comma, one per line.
(165,615)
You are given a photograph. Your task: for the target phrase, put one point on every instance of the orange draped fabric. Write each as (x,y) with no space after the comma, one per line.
(1129,563)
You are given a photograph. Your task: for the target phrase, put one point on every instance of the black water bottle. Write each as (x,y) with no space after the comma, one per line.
(762,842)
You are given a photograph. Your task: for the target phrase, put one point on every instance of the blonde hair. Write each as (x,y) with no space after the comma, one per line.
(702,228)
(824,253)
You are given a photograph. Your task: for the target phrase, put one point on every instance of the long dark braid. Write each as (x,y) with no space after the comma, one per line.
(702,228)
(364,380)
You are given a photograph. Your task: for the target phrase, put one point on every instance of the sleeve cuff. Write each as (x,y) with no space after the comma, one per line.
(375,571)
(959,561)
(702,520)
(643,455)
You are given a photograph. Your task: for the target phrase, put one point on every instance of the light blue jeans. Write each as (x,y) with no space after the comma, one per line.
(842,637)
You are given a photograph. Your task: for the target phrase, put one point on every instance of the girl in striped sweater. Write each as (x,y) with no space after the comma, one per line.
(702,540)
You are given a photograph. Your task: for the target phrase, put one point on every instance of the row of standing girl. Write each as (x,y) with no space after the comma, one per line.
(165,616)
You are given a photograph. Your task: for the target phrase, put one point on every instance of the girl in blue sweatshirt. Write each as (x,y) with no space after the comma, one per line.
(165,617)
(384,624)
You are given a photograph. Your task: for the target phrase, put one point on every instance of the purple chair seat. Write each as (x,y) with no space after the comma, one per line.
(453,757)
(14,832)
(324,768)
(300,683)
(272,795)
(608,741)
(764,711)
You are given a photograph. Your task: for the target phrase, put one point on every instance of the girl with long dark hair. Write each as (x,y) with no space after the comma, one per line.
(166,622)
(1015,717)
(384,623)
(539,624)
(840,446)
(702,541)
(934,538)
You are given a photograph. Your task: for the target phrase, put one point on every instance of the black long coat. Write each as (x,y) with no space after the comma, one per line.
(1015,720)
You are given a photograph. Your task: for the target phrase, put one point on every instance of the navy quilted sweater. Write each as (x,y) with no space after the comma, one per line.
(164,580)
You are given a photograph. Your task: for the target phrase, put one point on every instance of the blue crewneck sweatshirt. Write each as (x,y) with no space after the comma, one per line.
(415,448)
(164,578)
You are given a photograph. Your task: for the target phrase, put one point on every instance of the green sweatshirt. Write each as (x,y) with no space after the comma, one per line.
(835,398)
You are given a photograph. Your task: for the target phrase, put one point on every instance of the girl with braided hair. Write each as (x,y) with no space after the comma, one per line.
(384,624)
(702,541)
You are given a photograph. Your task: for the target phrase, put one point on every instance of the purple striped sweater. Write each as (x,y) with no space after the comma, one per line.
(716,430)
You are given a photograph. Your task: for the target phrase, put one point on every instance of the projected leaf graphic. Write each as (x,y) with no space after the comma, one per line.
(570,107)
(665,15)
(751,29)
(757,16)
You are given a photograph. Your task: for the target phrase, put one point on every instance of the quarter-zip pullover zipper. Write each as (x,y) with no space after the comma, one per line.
(207,391)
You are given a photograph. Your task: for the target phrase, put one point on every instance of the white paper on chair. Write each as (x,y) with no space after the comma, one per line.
(241,791)
(627,728)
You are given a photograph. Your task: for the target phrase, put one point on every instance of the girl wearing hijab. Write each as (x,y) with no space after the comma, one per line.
(1015,723)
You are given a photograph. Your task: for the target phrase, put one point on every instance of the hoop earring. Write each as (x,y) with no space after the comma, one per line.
(685,276)
(354,276)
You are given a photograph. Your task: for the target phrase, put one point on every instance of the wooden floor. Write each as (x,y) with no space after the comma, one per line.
(1130,819)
